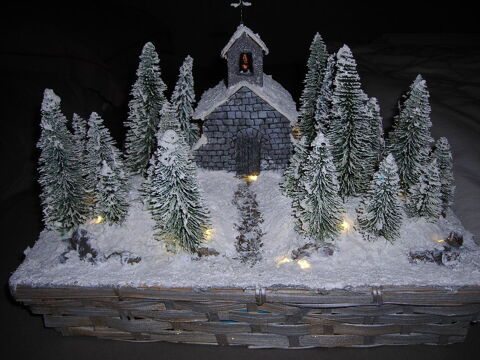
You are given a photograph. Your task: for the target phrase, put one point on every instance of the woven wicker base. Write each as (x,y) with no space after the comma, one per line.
(264,318)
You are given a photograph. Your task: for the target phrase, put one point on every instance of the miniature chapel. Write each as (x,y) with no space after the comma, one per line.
(247,120)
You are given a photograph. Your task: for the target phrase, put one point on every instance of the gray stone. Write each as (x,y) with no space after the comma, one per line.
(262,114)
(231,115)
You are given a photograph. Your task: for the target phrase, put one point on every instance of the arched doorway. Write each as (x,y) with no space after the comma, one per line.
(248,149)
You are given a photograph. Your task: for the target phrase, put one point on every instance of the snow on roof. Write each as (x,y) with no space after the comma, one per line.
(271,92)
(242,29)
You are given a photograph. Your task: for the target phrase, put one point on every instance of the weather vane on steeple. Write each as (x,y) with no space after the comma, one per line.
(241,3)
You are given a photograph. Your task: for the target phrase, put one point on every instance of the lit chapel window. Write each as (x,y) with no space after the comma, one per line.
(245,63)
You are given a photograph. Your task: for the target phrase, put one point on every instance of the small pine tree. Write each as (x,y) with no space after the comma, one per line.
(175,200)
(169,121)
(324,100)
(424,197)
(316,64)
(319,213)
(144,115)
(182,100)
(60,176)
(105,174)
(380,210)
(293,173)
(376,130)
(410,139)
(443,156)
(350,130)
(111,194)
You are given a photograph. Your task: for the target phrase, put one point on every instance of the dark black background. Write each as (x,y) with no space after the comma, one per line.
(87,51)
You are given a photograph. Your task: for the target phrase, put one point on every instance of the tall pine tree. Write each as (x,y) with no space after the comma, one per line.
(316,64)
(60,177)
(323,107)
(293,173)
(107,181)
(319,211)
(175,200)
(410,139)
(182,100)
(380,210)
(444,161)
(350,130)
(144,115)
(424,197)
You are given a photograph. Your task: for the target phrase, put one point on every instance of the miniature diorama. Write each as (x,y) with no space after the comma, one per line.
(240,221)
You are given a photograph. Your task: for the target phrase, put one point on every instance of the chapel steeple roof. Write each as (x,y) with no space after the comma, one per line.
(242,29)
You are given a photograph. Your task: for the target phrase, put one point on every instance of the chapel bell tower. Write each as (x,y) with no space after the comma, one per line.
(244,55)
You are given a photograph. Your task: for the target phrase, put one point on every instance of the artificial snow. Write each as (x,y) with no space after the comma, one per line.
(355,261)
(271,92)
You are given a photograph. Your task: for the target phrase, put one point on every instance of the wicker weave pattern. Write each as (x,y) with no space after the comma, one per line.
(272,318)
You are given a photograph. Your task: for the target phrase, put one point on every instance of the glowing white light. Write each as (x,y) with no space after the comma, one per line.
(283,260)
(304,264)
(345,226)
(99,219)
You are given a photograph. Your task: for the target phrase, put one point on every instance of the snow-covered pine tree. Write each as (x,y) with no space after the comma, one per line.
(323,106)
(144,115)
(106,178)
(293,173)
(182,100)
(168,121)
(175,200)
(380,210)
(444,161)
(410,139)
(377,141)
(316,64)
(350,130)
(424,197)
(60,177)
(319,213)
(111,194)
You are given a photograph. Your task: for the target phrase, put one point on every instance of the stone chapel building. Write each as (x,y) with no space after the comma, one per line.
(247,121)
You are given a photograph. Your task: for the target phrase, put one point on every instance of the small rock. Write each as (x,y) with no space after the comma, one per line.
(204,251)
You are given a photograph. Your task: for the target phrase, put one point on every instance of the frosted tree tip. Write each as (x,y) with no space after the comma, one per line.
(443,142)
(50,100)
(106,170)
(320,140)
(148,47)
(344,51)
(94,115)
(419,81)
(389,158)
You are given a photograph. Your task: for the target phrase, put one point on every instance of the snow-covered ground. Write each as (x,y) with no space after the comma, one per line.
(354,262)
